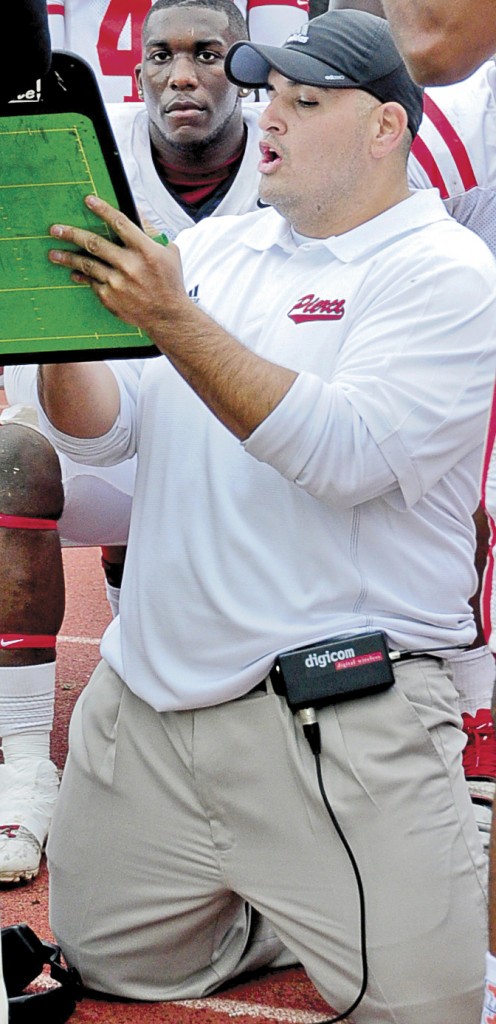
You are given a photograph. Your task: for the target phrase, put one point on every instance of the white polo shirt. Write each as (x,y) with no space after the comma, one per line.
(350,507)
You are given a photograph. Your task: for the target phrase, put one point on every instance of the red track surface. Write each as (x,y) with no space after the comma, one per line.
(286,996)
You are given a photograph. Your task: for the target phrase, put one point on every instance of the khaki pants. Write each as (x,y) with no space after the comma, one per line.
(184,843)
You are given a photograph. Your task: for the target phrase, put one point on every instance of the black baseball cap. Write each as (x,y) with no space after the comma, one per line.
(342,49)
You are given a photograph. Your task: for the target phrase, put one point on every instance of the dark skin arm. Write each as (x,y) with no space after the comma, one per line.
(31,599)
(443,41)
(481,553)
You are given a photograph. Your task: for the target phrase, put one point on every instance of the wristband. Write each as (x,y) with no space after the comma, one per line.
(15,641)
(26,522)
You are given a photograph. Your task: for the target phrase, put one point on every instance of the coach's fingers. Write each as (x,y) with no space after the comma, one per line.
(87,269)
(100,248)
(129,233)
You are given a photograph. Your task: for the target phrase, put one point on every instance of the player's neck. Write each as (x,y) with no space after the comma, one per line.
(194,186)
(206,155)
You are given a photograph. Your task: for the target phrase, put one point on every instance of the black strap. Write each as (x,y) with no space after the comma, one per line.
(55,1005)
(24,956)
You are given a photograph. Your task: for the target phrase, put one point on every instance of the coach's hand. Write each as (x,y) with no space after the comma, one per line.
(139,281)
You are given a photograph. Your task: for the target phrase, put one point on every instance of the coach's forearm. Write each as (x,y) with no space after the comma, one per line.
(239,386)
(142,283)
(442,41)
(80,399)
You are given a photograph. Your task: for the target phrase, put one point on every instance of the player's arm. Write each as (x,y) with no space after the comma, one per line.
(443,41)
(272,23)
(141,282)
(80,399)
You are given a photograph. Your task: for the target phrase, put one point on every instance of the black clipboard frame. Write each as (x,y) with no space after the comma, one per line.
(71,87)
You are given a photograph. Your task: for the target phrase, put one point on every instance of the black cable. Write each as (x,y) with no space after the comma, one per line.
(312,732)
(405,655)
(307,718)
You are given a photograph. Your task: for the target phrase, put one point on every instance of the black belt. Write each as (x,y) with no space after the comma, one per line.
(259,688)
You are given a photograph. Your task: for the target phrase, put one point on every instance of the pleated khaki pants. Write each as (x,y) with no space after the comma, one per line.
(189,847)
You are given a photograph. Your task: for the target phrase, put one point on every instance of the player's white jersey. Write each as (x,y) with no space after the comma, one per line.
(455,150)
(107,34)
(272,21)
(488,498)
(158,210)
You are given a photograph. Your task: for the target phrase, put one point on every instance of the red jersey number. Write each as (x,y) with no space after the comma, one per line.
(114,61)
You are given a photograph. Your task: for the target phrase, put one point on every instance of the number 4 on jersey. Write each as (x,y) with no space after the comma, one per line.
(120,15)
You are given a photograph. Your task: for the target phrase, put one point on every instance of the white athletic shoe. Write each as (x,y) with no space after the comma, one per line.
(28,792)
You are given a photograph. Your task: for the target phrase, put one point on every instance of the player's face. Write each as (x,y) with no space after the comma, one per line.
(187,95)
(315,154)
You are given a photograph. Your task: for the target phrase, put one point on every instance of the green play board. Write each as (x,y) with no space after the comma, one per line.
(48,162)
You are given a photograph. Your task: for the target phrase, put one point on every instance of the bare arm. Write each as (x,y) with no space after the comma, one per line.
(141,282)
(443,41)
(80,399)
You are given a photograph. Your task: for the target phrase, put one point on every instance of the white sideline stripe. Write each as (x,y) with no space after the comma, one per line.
(94,641)
(234,1008)
(230,1007)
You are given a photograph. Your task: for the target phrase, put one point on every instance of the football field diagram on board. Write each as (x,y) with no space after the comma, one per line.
(48,163)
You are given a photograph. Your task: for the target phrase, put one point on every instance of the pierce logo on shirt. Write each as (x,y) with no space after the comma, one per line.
(311,307)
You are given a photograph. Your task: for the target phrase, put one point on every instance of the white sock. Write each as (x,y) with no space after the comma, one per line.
(27,698)
(473,674)
(34,746)
(113,597)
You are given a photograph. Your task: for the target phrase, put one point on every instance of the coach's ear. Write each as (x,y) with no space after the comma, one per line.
(137,75)
(389,124)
